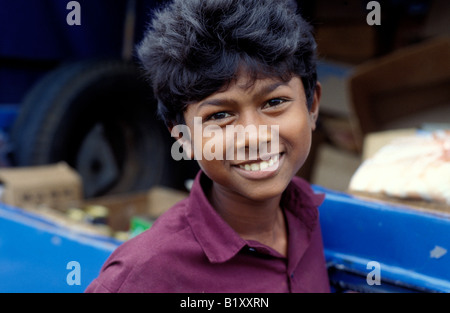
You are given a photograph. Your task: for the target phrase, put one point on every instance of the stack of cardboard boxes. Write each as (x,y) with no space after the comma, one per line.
(55,192)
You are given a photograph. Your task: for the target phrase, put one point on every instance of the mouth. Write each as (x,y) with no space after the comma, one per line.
(261,165)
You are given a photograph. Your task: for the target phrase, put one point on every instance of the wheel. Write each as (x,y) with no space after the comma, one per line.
(99,117)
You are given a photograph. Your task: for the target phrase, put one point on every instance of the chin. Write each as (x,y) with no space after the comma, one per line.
(264,191)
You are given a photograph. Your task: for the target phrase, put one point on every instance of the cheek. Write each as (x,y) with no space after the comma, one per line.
(215,170)
(212,144)
(296,134)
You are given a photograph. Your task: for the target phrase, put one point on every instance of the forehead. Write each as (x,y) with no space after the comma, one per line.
(248,79)
(245,84)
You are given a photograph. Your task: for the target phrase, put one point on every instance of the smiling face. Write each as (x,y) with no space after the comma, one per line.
(264,105)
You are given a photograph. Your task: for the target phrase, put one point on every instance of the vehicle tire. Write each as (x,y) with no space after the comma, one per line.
(100,117)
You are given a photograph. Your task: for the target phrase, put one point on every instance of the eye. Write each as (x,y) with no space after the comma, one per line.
(274,102)
(218,116)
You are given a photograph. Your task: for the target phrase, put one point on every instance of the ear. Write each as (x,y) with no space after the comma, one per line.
(182,135)
(314,110)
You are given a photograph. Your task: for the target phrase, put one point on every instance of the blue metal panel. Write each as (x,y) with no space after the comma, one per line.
(34,254)
(411,246)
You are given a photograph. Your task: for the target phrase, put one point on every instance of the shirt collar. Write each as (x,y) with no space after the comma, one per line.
(301,200)
(218,240)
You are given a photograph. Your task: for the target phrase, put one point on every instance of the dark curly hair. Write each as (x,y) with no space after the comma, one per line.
(193,48)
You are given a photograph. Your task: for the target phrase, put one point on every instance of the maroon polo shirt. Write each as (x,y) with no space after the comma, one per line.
(191,248)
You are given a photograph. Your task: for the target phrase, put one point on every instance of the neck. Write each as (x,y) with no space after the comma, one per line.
(261,221)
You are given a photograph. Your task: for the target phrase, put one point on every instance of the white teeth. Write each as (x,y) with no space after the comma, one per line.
(255,166)
(263,165)
(260,166)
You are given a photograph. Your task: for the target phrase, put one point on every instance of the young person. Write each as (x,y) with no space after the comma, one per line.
(249,224)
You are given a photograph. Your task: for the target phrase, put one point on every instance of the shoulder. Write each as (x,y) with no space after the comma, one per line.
(142,263)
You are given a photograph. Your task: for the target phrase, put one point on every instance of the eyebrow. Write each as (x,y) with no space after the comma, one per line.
(263,91)
(270,88)
(218,102)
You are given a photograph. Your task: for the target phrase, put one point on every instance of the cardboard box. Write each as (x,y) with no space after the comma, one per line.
(335,98)
(375,141)
(56,186)
(54,192)
(410,81)
(340,10)
(342,32)
(150,203)
(347,42)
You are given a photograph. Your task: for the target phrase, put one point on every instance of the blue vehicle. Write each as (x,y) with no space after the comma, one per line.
(65,91)
(369,247)
(72,91)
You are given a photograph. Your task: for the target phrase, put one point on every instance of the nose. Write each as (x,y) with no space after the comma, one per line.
(253,136)
(247,130)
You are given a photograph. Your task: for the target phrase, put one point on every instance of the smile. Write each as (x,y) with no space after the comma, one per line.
(260,166)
